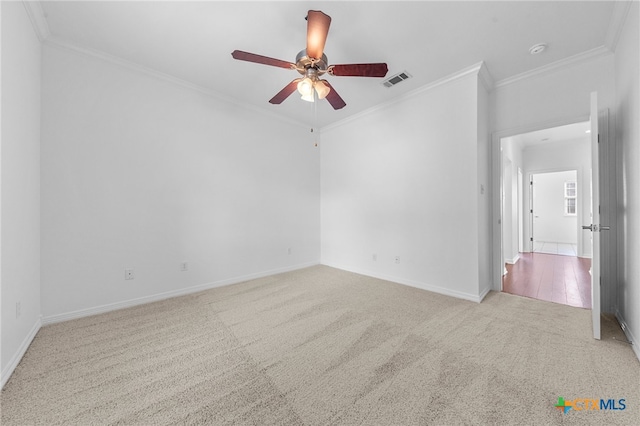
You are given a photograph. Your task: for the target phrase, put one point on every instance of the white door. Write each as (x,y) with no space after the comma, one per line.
(595,227)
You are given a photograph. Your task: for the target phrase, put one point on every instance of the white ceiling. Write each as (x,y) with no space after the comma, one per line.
(193,41)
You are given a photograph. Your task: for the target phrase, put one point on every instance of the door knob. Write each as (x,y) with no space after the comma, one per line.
(596,228)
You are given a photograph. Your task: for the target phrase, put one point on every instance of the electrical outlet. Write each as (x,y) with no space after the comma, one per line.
(128,274)
(397,259)
(184,266)
(374,257)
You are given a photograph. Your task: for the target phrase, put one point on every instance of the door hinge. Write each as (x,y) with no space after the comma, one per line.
(531,239)
(598,137)
(531,211)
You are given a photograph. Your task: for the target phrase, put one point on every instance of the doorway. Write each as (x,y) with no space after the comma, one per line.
(554,212)
(545,197)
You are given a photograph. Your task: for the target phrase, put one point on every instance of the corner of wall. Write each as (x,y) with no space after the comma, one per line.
(20,192)
(635,344)
(38,19)
(484,184)
(8,370)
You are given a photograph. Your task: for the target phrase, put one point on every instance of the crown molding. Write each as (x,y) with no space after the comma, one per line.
(616,23)
(588,55)
(473,69)
(57,43)
(38,19)
(485,77)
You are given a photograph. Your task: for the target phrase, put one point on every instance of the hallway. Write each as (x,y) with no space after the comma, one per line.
(554,278)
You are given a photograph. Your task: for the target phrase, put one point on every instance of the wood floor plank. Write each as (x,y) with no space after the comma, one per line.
(554,278)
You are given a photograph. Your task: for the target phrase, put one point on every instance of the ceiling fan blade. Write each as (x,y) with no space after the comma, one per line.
(359,70)
(317,30)
(259,59)
(334,99)
(286,92)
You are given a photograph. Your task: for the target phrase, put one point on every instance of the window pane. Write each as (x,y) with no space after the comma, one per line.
(570,189)
(571,206)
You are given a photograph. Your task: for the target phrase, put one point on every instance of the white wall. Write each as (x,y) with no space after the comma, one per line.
(561,156)
(403,181)
(141,173)
(551,224)
(554,97)
(627,74)
(20,188)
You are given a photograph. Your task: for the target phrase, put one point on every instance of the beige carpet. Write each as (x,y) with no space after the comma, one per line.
(322,346)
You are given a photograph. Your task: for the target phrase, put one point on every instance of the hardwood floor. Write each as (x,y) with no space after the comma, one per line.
(555,278)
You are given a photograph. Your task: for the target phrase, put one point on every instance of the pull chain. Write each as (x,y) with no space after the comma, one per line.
(314,133)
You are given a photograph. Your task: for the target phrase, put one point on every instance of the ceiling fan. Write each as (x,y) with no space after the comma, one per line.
(312,63)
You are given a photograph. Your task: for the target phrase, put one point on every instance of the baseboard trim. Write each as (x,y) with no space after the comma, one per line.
(81,313)
(635,344)
(484,293)
(514,260)
(6,373)
(435,289)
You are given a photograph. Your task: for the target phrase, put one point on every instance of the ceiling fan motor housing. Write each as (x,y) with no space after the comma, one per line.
(304,62)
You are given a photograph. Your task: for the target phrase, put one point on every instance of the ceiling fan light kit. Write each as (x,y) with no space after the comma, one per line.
(310,83)
(312,63)
(321,89)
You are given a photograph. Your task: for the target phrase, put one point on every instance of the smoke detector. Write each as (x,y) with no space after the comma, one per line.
(537,48)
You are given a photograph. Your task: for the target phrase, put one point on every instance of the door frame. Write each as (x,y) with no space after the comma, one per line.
(520,195)
(497,186)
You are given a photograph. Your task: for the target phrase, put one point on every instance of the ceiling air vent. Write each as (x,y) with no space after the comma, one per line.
(395,79)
